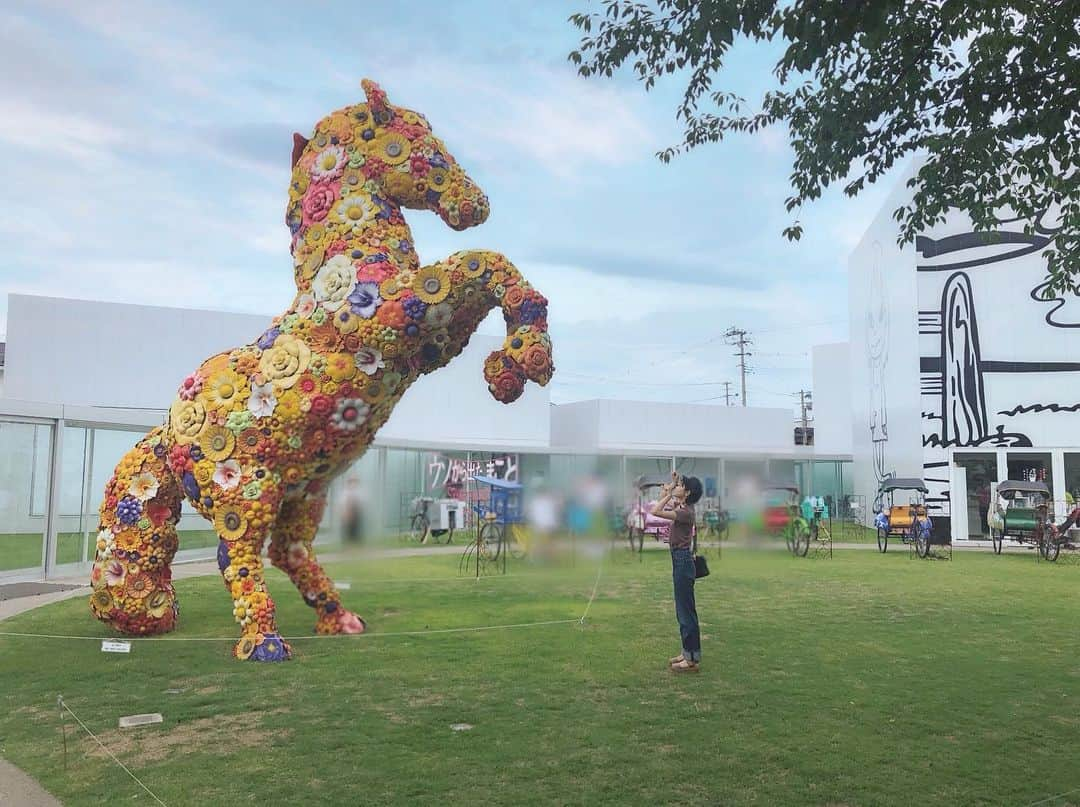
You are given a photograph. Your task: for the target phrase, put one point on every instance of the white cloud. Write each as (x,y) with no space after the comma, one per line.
(532,113)
(772,140)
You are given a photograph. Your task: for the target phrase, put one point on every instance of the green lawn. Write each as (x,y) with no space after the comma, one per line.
(866,679)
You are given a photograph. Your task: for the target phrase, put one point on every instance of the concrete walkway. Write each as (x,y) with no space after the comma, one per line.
(19,790)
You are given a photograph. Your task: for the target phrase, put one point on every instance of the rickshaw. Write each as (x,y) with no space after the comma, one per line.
(909,522)
(1026,516)
(783,516)
(639,521)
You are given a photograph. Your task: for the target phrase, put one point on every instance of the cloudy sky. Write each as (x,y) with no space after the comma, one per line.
(146,158)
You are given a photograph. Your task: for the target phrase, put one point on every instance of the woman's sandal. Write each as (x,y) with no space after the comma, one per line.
(685,666)
(676,660)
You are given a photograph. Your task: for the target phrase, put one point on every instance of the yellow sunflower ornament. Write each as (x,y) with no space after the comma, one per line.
(431,284)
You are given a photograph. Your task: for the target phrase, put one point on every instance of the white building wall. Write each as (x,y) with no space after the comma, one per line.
(111,354)
(953,344)
(671,428)
(575,425)
(885,396)
(832,398)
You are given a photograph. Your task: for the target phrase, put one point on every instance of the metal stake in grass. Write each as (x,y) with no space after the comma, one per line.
(63,726)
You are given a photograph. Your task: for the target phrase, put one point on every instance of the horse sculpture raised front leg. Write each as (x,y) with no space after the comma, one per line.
(257,433)
(481,281)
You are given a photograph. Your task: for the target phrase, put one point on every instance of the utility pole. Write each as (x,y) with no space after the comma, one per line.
(727,393)
(806,404)
(740,338)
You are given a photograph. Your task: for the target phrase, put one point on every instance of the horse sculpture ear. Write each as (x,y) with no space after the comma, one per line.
(376,98)
(299,143)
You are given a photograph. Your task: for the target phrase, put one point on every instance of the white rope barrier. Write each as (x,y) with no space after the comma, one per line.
(370,634)
(1054,798)
(94,737)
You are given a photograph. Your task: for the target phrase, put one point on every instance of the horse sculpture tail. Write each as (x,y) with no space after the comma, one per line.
(132,575)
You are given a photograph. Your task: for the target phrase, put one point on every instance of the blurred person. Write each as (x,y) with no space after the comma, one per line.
(542,511)
(352,512)
(676,504)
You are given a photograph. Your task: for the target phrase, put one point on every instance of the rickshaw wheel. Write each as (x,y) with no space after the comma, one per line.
(492,539)
(882,539)
(801,538)
(1051,549)
(998,538)
(515,547)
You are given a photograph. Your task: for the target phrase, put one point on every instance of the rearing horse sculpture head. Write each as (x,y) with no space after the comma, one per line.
(381,157)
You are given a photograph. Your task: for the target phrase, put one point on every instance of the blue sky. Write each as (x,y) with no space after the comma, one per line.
(147,157)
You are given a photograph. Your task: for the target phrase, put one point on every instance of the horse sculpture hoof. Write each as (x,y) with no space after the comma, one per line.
(262,647)
(341,622)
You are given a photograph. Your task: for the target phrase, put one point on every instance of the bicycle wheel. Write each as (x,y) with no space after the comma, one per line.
(882,539)
(491,539)
(922,541)
(800,538)
(998,538)
(636,538)
(1051,549)
(418,527)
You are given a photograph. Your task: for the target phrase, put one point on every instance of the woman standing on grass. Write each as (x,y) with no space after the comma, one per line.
(677,506)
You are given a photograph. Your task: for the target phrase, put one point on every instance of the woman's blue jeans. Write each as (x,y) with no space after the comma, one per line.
(682,574)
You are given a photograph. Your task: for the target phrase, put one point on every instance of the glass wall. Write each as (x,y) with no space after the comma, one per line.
(1072,479)
(73,519)
(372,500)
(25,450)
(1031,466)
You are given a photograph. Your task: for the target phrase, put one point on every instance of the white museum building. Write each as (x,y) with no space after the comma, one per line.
(962,372)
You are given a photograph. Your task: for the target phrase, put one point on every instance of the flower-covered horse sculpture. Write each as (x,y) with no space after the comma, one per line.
(257,433)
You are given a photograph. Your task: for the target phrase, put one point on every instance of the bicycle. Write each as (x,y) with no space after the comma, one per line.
(420,523)
(484,553)
(820,530)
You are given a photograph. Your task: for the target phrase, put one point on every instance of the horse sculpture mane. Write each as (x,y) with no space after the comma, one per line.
(256,434)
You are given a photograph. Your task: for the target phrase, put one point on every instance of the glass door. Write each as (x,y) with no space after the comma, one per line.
(981,470)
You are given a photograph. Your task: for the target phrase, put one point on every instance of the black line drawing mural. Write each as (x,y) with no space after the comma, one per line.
(1013,244)
(956,374)
(955,379)
(1020,410)
(877,358)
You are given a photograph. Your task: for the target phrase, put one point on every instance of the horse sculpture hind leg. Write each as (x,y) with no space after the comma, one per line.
(132,575)
(291,551)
